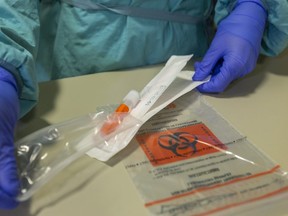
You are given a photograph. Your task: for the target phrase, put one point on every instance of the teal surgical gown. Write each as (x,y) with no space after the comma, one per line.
(52,39)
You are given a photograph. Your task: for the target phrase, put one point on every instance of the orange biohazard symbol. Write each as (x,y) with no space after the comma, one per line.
(163,147)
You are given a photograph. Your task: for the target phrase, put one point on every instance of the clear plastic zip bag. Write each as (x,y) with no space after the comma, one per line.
(44,153)
(191,161)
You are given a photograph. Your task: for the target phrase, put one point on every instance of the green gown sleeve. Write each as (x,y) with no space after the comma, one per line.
(19,32)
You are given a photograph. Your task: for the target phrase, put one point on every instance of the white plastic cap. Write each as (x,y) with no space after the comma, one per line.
(132,98)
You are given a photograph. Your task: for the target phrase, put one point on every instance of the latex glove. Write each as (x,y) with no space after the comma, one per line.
(9,109)
(235,48)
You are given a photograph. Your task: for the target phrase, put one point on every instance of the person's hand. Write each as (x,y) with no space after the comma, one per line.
(9,108)
(235,48)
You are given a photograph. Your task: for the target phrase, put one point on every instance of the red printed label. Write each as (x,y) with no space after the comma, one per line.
(179,144)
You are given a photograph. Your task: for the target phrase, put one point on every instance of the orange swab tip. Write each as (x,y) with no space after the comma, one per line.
(129,102)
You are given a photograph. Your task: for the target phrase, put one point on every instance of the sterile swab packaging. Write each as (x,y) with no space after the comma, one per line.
(44,153)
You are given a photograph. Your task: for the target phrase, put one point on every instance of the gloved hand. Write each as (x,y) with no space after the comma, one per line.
(9,109)
(235,48)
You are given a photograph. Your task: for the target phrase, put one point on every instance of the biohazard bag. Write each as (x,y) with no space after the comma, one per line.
(191,161)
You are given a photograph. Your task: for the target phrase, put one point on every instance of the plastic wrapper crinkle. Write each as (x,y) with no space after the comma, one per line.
(44,153)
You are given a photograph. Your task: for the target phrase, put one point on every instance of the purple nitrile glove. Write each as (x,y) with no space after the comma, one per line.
(235,48)
(9,109)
